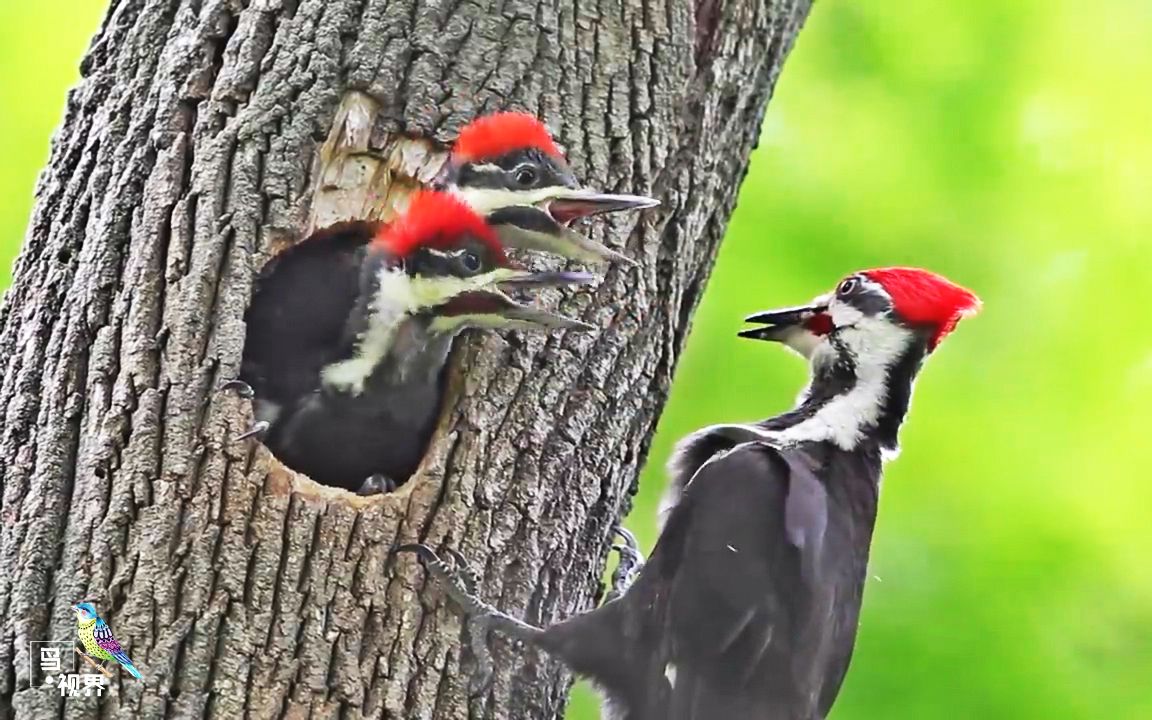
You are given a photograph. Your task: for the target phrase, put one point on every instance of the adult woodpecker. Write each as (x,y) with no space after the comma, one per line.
(297,323)
(748,607)
(355,410)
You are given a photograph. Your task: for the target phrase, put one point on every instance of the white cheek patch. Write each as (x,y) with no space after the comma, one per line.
(397,296)
(430,292)
(487,200)
(801,341)
(843,314)
(876,344)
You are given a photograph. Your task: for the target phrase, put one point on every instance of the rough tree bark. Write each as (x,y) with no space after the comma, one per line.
(204,135)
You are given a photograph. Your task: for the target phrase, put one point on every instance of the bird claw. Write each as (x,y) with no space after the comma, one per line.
(377,485)
(464,572)
(257,431)
(460,584)
(244,390)
(240,387)
(481,680)
(629,566)
(456,583)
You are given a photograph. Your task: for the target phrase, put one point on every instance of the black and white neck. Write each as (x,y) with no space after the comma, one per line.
(859,390)
(857,397)
(387,329)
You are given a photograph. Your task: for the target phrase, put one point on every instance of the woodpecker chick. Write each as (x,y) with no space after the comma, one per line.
(506,166)
(354,399)
(296,324)
(749,604)
(439,258)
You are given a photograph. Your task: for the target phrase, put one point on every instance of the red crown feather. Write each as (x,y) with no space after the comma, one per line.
(925,298)
(493,136)
(438,220)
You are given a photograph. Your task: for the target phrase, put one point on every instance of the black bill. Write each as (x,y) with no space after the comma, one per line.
(780,324)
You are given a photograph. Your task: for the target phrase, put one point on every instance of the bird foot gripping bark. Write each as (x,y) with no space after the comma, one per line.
(460,584)
(629,566)
(244,390)
(239,387)
(257,431)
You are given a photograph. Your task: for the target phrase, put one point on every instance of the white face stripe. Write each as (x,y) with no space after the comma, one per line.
(487,200)
(843,314)
(397,296)
(394,299)
(876,345)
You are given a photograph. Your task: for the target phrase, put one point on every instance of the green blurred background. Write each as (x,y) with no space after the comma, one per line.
(1006,145)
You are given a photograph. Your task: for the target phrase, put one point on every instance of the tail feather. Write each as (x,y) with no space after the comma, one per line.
(123,659)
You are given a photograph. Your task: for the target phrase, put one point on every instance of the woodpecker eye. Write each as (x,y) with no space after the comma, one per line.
(525,176)
(469,262)
(848,287)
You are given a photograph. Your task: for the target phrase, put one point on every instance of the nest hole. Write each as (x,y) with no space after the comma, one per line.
(367,441)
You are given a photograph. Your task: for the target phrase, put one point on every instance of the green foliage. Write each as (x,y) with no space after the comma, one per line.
(40,47)
(1005,145)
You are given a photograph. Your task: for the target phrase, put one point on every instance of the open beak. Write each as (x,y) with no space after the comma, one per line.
(514,316)
(489,307)
(568,204)
(784,324)
(528,279)
(493,309)
(544,225)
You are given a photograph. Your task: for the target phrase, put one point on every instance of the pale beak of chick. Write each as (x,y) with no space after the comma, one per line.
(500,312)
(544,225)
(489,307)
(568,204)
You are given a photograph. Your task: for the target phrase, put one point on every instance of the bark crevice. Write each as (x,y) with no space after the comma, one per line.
(204,137)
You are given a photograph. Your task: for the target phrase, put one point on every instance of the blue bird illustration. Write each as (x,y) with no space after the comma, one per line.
(98,639)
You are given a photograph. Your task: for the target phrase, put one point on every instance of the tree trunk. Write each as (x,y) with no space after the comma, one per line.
(205,135)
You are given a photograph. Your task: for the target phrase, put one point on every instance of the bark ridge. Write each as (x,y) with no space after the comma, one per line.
(205,135)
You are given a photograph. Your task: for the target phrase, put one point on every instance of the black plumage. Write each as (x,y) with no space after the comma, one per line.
(749,605)
(305,317)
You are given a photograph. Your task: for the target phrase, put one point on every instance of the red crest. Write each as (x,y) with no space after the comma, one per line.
(437,220)
(493,136)
(925,298)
